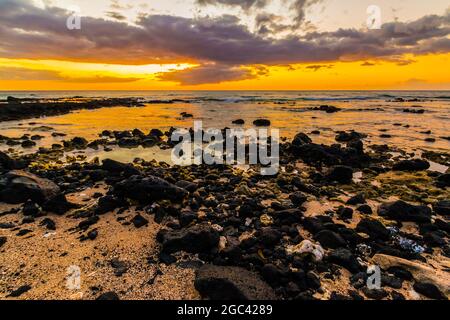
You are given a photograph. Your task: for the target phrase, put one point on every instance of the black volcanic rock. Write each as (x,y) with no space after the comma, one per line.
(411,165)
(374,228)
(231,283)
(341,174)
(148,189)
(403,211)
(330,239)
(261,123)
(442,207)
(196,239)
(18,186)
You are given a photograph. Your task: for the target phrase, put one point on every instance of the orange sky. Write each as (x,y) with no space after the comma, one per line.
(423,72)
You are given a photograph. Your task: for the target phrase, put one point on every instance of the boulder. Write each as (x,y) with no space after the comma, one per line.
(411,165)
(329,239)
(6,163)
(196,239)
(346,259)
(58,204)
(148,189)
(429,290)
(301,139)
(403,211)
(261,123)
(442,207)
(18,186)
(341,174)
(374,228)
(357,199)
(139,221)
(443,180)
(231,283)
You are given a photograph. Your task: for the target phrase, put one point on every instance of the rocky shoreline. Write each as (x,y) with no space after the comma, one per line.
(19,109)
(148,230)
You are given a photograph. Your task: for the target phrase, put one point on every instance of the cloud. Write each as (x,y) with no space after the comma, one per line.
(115,15)
(102,79)
(24,74)
(15,73)
(208,73)
(244,4)
(316,67)
(367,64)
(220,44)
(299,8)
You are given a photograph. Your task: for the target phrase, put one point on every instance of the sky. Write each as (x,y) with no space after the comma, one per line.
(224,45)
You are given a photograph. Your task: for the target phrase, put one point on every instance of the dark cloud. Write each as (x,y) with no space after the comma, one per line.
(218,44)
(208,73)
(316,67)
(269,23)
(244,4)
(299,8)
(367,64)
(115,15)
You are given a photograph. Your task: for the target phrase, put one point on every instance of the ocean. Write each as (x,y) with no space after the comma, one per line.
(379,114)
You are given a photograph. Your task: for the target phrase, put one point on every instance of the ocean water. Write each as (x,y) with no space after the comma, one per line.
(371,112)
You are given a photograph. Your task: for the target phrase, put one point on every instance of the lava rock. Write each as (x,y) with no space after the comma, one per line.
(2,241)
(443,180)
(411,165)
(261,123)
(109,203)
(301,139)
(139,221)
(348,136)
(442,207)
(341,174)
(330,239)
(58,204)
(231,283)
(374,228)
(85,224)
(120,267)
(288,216)
(327,108)
(357,199)
(148,189)
(298,198)
(18,186)
(48,223)
(108,296)
(403,211)
(28,144)
(113,166)
(31,209)
(6,163)
(365,209)
(345,212)
(18,292)
(346,259)
(196,239)
(269,236)
(429,290)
